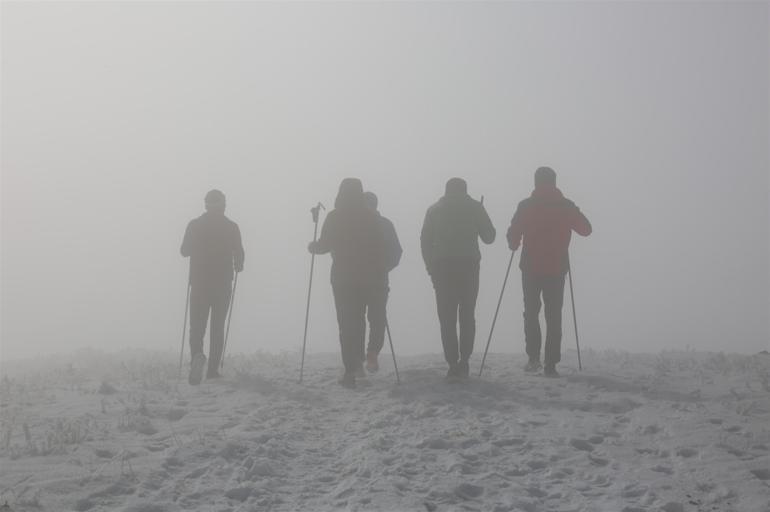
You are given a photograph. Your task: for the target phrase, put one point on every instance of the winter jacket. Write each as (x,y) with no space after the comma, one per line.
(452,228)
(353,234)
(213,243)
(546,220)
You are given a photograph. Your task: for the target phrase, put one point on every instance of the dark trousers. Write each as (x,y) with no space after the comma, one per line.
(205,299)
(457,286)
(350,299)
(552,290)
(376,313)
(376,307)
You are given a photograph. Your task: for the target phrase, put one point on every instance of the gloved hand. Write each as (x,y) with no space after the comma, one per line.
(239,268)
(312,247)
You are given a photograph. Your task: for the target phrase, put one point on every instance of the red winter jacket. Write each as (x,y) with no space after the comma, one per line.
(546,221)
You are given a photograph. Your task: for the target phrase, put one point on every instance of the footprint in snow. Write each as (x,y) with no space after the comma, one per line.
(239,493)
(176,414)
(536,492)
(517,472)
(435,444)
(598,461)
(662,469)
(687,452)
(537,464)
(172,462)
(632,491)
(469,491)
(155,447)
(581,444)
(601,481)
(145,507)
(736,452)
(196,473)
(513,441)
(104,453)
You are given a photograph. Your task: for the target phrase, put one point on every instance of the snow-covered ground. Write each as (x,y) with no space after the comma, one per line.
(678,431)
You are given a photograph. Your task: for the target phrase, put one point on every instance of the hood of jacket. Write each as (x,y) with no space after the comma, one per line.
(350,195)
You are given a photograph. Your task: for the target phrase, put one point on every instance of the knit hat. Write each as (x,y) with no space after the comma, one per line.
(456,187)
(214,196)
(545,176)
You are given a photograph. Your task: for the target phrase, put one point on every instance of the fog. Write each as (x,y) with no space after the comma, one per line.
(117,118)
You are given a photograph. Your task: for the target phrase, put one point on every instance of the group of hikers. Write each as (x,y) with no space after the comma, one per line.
(364,248)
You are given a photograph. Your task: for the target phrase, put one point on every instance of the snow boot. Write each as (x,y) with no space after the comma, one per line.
(196,369)
(550,371)
(348,380)
(371,363)
(453,375)
(533,366)
(463,369)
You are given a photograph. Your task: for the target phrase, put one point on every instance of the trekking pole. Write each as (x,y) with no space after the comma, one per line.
(393,352)
(314,212)
(574,315)
(229,316)
(497,310)
(184,329)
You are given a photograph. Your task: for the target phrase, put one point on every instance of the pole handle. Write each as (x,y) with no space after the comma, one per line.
(314,211)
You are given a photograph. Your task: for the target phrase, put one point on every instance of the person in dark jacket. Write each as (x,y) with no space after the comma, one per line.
(213,244)
(545,221)
(450,249)
(376,304)
(352,233)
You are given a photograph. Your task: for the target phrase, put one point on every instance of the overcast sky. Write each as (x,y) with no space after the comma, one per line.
(118,117)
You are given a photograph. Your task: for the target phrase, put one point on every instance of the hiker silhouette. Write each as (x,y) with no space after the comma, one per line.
(450,249)
(213,244)
(545,222)
(353,234)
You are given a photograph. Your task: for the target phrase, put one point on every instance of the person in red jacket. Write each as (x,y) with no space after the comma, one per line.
(545,221)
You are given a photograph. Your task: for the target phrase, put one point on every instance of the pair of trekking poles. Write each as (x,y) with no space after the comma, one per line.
(227,331)
(315,212)
(500,300)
